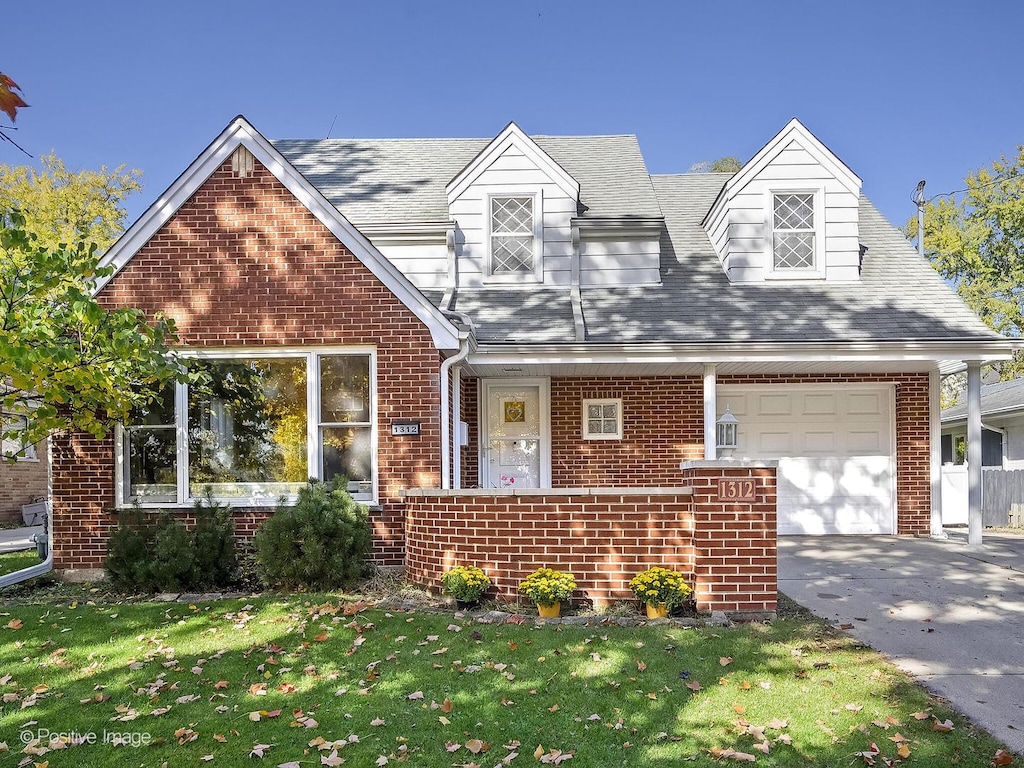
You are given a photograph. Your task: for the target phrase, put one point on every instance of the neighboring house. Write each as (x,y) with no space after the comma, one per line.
(23,474)
(1002,420)
(533,312)
(1002,448)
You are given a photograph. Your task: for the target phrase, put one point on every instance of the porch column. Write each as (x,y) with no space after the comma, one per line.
(935,451)
(974,478)
(710,413)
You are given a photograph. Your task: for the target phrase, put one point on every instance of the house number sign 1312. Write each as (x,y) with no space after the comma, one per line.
(737,489)
(405,427)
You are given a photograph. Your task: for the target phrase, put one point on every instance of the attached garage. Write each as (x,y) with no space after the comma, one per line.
(835,444)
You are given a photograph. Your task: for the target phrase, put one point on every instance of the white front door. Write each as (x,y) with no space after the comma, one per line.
(516,448)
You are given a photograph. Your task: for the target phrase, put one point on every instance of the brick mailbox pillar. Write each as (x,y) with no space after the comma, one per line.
(734,535)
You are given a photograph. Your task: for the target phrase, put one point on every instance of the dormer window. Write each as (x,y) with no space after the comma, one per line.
(514,238)
(793,231)
(797,233)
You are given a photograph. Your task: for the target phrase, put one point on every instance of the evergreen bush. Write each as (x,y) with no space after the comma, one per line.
(320,542)
(155,552)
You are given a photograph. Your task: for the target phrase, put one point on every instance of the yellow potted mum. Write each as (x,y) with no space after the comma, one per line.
(548,588)
(466,583)
(659,589)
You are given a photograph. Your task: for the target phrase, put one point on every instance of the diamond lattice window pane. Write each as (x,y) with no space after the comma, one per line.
(511,254)
(794,251)
(511,215)
(794,211)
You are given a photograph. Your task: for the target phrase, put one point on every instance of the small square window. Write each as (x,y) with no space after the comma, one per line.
(602,419)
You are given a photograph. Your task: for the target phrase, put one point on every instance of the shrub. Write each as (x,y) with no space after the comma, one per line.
(660,585)
(547,586)
(155,551)
(320,542)
(465,582)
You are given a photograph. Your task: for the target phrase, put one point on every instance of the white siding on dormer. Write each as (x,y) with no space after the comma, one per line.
(739,224)
(634,261)
(426,265)
(513,173)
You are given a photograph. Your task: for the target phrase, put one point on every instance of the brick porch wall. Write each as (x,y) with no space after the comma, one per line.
(605,537)
(663,426)
(244,264)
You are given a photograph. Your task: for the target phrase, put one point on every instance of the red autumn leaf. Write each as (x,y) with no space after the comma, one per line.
(1002,758)
(10,102)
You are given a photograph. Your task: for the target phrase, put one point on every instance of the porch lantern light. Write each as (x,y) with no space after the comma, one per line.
(728,432)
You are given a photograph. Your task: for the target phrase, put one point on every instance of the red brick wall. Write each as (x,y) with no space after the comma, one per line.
(727,551)
(603,540)
(242,263)
(22,482)
(662,426)
(734,544)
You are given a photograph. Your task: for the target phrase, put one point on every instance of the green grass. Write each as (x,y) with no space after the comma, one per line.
(425,688)
(15,561)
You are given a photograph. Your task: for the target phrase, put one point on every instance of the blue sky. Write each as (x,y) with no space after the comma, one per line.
(899,90)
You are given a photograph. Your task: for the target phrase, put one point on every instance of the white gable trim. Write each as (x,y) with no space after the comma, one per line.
(241,133)
(793,131)
(512,136)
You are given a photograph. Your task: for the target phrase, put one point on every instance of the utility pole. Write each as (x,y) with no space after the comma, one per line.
(919,199)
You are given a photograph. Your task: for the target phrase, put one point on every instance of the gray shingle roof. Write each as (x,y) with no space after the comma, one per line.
(404,180)
(995,398)
(899,297)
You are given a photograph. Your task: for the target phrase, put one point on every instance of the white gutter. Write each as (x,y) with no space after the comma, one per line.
(465,345)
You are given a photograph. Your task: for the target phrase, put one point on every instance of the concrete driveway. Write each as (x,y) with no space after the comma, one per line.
(949,615)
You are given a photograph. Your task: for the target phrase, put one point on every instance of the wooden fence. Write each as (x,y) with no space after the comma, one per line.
(1002,500)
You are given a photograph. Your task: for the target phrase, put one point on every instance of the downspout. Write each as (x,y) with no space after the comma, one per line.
(449,291)
(575,296)
(465,344)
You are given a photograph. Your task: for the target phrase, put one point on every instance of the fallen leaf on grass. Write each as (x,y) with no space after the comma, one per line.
(1002,757)
(943,726)
(476,746)
(731,754)
(259,750)
(15,624)
(725,661)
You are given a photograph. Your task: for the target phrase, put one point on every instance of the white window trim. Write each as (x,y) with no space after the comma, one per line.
(817,272)
(587,434)
(313,449)
(538,237)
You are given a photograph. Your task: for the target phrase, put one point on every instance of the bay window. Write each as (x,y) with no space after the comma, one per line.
(258,427)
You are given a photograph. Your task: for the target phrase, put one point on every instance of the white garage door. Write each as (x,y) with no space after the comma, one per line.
(835,446)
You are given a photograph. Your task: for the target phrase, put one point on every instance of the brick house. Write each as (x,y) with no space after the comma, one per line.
(516,351)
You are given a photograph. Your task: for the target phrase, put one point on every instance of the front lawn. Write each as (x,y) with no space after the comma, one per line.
(300,681)
(15,561)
